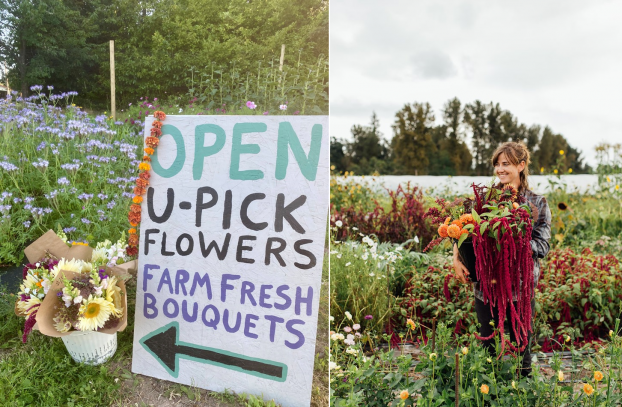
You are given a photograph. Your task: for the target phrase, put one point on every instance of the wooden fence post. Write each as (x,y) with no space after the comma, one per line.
(113,108)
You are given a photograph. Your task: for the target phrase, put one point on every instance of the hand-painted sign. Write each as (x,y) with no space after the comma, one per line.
(231,248)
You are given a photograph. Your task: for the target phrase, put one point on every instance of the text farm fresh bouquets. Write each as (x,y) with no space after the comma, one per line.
(497,220)
(72,287)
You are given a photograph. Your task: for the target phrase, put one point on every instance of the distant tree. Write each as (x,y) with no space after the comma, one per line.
(440,156)
(475,117)
(367,150)
(459,153)
(412,142)
(337,155)
(496,135)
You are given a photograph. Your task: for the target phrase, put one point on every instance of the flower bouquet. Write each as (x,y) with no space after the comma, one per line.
(73,288)
(497,223)
(455,223)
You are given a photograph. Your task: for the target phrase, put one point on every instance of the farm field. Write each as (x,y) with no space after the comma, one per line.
(402,324)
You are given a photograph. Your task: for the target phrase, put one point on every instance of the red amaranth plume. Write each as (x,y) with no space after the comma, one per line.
(30,322)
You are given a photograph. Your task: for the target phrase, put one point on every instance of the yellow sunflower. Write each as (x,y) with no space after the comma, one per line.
(113,296)
(94,314)
(67,265)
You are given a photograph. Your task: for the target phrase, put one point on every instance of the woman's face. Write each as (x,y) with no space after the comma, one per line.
(507,172)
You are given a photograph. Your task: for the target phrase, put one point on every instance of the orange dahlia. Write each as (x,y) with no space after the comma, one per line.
(137,199)
(453,231)
(160,115)
(142,183)
(157,124)
(156,132)
(467,219)
(458,223)
(442,230)
(133,240)
(149,150)
(144,166)
(447,220)
(139,191)
(134,218)
(144,175)
(135,208)
(152,141)
(131,231)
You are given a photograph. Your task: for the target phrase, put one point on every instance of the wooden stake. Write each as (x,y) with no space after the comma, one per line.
(6,75)
(113,108)
(282,57)
(457,379)
(433,333)
(282,60)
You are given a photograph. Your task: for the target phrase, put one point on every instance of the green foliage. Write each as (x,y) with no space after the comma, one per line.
(157,42)
(420,146)
(366,277)
(446,369)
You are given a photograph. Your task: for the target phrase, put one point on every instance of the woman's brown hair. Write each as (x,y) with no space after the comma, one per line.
(515,153)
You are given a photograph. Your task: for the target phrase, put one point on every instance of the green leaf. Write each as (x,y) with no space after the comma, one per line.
(475,216)
(482,227)
(463,238)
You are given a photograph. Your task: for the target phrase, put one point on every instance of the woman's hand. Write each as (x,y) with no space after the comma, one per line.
(460,269)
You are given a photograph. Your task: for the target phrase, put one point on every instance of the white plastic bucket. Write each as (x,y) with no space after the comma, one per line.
(92,348)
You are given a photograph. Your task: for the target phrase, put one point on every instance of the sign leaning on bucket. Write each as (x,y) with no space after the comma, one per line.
(231,248)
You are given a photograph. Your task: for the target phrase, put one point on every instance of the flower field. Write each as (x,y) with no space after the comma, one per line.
(75,172)
(60,167)
(385,285)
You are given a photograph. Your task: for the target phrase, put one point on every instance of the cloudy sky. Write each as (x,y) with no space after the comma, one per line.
(556,63)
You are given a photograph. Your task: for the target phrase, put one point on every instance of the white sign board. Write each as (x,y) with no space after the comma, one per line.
(231,247)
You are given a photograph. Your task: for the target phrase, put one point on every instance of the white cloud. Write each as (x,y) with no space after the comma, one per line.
(551,63)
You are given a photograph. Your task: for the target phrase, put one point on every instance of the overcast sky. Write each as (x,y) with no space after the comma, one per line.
(556,63)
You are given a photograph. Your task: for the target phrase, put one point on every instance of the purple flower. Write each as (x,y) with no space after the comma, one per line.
(265,113)
(368,317)
(251,105)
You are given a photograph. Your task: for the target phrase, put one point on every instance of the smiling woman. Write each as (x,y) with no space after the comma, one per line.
(511,162)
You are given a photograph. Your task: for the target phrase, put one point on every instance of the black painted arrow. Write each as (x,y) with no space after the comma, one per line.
(164,345)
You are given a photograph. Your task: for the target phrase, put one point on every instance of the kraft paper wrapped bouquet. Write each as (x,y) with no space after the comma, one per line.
(87,301)
(72,287)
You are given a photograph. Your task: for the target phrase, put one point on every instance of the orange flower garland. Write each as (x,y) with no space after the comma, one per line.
(142,182)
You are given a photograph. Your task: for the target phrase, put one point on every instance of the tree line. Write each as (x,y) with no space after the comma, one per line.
(461,145)
(65,43)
